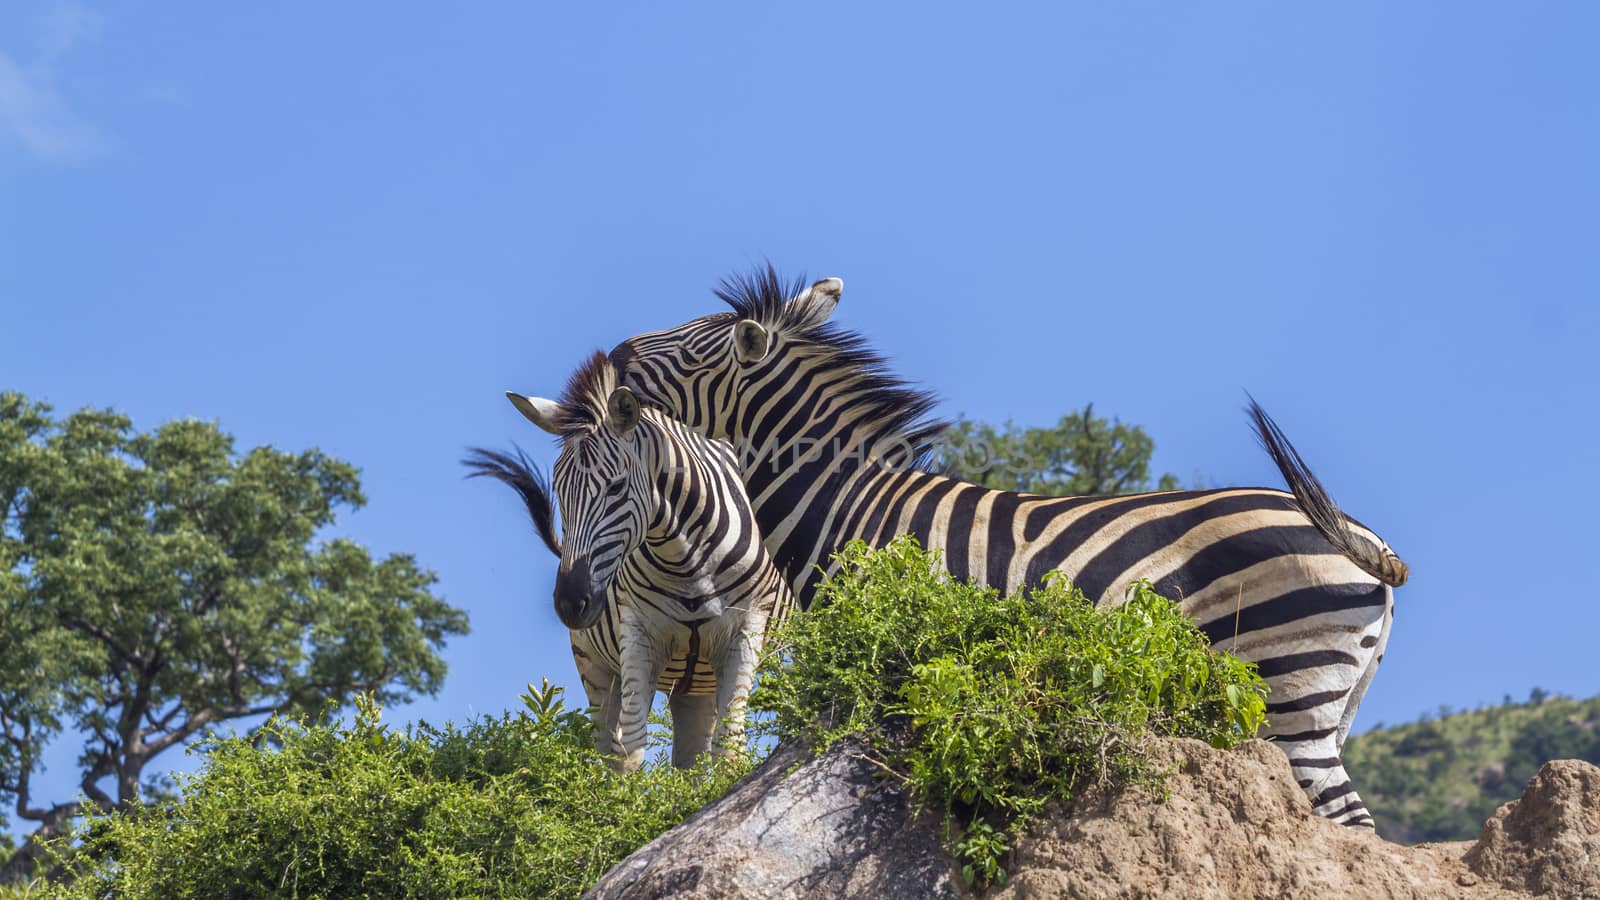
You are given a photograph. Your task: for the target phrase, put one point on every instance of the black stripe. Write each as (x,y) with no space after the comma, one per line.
(877,506)
(1039,512)
(1163,529)
(1294,662)
(1050,556)
(762,402)
(1301,737)
(922,515)
(1239,551)
(1333,793)
(861,501)
(1316,762)
(958,531)
(1309,701)
(897,512)
(1294,606)
(1001,548)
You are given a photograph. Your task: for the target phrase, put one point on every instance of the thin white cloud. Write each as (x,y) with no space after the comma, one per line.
(32,114)
(35,117)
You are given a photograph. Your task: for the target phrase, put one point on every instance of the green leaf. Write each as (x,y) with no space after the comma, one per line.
(1008,701)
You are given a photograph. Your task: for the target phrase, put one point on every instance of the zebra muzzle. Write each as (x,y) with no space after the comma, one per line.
(578,605)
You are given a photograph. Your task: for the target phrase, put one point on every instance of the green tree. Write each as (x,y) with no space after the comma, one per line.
(1439,778)
(1080,455)
(157,584)
(1546,738)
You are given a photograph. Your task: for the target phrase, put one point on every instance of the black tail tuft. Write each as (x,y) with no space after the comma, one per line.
(1376,560)
(527,480)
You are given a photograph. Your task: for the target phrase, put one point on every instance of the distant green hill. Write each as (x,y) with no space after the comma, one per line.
(1438,779)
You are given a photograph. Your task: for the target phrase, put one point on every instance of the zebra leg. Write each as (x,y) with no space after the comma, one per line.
(1360,690)
(1316,670)
(736,674)
(643,657)
(604,691)
(1321,775)
(1324,778)
(1333,795)
(1305,726)
(693,716)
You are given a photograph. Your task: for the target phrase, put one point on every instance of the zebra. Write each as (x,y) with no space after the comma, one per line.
(834,447)
(663,580)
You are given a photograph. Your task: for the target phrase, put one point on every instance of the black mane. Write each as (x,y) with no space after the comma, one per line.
(901,409)
(583,401)
(760,294)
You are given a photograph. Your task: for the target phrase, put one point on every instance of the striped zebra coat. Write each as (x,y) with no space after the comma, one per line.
(833,448)
(663,580)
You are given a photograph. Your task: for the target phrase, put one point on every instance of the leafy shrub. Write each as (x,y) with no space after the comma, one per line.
(516,806)
(1547,738)
(987,706)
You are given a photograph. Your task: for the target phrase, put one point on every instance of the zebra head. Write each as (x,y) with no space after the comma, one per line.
(700,372)
(603,481)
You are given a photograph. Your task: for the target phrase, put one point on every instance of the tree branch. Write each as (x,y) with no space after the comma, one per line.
(204,717)
(208,601)
(201,718)
(104,636)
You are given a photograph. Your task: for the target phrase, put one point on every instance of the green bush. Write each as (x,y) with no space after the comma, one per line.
(985,706)
(519,806)
(988,706)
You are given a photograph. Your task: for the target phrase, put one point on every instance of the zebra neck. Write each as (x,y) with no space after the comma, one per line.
(651,585)
(810,506)
(699,558)
(812,432)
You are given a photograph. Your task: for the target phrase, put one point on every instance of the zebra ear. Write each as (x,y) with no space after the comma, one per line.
(538,410)
(751,341)
(815,304)
(622,410)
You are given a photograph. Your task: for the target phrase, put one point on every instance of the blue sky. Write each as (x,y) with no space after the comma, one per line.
(326,227)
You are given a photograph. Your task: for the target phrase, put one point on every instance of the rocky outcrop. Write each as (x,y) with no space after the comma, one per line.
(827,827)
(1549,841)
(1232,824)
(1235,824)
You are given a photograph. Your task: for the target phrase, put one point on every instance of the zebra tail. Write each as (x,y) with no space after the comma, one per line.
(1375,559)
(526,479)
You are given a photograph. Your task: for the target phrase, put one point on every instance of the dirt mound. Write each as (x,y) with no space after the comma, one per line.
(1549,841)
(1232,824)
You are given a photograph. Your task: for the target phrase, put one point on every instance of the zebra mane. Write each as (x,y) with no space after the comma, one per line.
(900,410)
(761,294)
(583,401)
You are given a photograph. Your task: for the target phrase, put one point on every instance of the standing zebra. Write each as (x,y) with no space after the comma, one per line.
(832,447)
(663,577)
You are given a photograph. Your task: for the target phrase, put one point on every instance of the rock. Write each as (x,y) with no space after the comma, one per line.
(1231,824)
(1549,841)
(1234,824)
(830,828)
